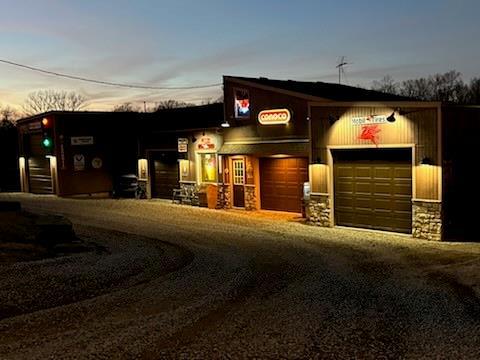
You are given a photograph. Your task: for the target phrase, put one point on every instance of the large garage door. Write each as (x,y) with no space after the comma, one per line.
(282,181)
(40,178)
(165,174)
(373,189)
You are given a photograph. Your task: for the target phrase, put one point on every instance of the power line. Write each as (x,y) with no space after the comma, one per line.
(130,86)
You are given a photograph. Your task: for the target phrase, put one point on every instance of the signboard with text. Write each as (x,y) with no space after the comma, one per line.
(81,140)
(274,117)
(182,145)
(369,120)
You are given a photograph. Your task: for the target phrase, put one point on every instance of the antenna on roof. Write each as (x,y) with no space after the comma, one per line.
(341,71)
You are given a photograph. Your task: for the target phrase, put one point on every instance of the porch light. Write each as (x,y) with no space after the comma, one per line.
(391,118)
(226,124)
(426,161)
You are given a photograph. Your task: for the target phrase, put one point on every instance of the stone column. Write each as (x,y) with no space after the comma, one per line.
(250,198)
(318,211)
(427,220)
(224,197)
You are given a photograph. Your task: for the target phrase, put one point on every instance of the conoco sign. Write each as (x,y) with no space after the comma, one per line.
(274,117)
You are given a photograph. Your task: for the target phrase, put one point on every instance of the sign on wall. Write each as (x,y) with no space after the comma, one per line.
(369,120)
(274,117)
(97,163)
(79,162)
(182,145)
(81,140)
(206,143)
(242,103)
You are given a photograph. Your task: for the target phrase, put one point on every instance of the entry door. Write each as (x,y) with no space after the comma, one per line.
(39,174)
(239,183)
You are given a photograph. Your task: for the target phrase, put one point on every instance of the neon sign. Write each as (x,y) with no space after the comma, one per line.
(274,117)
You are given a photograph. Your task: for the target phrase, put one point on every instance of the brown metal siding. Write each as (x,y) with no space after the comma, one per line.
(373,190)
(165,174)
(282,183)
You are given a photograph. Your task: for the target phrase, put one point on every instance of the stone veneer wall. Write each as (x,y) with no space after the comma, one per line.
(224,197)
(250,198)
(427,220)
(318,211)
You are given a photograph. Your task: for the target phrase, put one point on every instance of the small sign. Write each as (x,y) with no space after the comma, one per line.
(35,126)
(274,117)
(369,120)
(79,162)
(182,145)
(97,163)
(81,140)
(206,143)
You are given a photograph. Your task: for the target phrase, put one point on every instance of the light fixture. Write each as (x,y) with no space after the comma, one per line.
(319,160)
(332,119)
(426,161)
(194,139)
(391,118)
(226,124)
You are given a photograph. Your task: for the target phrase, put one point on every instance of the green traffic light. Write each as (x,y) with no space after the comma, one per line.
(47,143)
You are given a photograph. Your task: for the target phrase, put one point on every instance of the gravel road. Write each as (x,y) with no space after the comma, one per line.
(172,281)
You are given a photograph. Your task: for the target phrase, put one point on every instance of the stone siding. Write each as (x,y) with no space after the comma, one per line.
(250,198)
(318,211)
(224,198)
(427,220)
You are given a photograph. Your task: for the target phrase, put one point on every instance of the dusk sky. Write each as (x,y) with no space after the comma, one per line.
(182,43)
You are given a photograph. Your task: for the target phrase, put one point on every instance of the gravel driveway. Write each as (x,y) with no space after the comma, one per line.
(183,282)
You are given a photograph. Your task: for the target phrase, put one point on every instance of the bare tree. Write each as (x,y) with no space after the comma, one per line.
(171,104)
(8,114)
(50,100)
(387,85)
(447,87)
(473,93)
(126,107)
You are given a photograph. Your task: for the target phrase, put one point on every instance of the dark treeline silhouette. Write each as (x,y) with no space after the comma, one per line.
(448,87)
(9,180)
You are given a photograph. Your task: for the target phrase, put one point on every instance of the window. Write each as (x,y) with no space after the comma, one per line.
(208,163)
(242,103)
(238,172)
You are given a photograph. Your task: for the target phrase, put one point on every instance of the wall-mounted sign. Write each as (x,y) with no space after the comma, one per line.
(97,163)
(79,162)
(274,117)
(242,103)
(35,126)
(370,132)
(182,145)
(368,120)
(206,143)
(81,140)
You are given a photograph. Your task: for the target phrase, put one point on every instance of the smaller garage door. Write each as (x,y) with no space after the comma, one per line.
(165,174)
(39,176)
(373,189)
(281,183)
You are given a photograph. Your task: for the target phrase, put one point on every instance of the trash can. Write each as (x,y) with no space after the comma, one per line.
(202,196)
(212,193)
(305,198)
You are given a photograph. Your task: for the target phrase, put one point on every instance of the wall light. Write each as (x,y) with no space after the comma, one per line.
(391,118)
(426,161)
(226,124)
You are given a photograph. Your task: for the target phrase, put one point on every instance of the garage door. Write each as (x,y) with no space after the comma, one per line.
(165,174)
(373,189)
(281,183)
(39,176)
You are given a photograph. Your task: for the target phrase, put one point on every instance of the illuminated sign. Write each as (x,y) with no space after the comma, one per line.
(206,143)
(182,145)
(242,103)
(369,120)
(274,117)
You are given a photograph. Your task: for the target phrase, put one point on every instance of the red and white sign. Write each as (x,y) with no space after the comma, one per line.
(206,143)
(274,117)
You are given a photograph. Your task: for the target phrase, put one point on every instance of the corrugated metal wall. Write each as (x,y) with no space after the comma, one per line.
(333,127)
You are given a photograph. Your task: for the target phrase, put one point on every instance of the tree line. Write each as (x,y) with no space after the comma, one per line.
(448,87)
